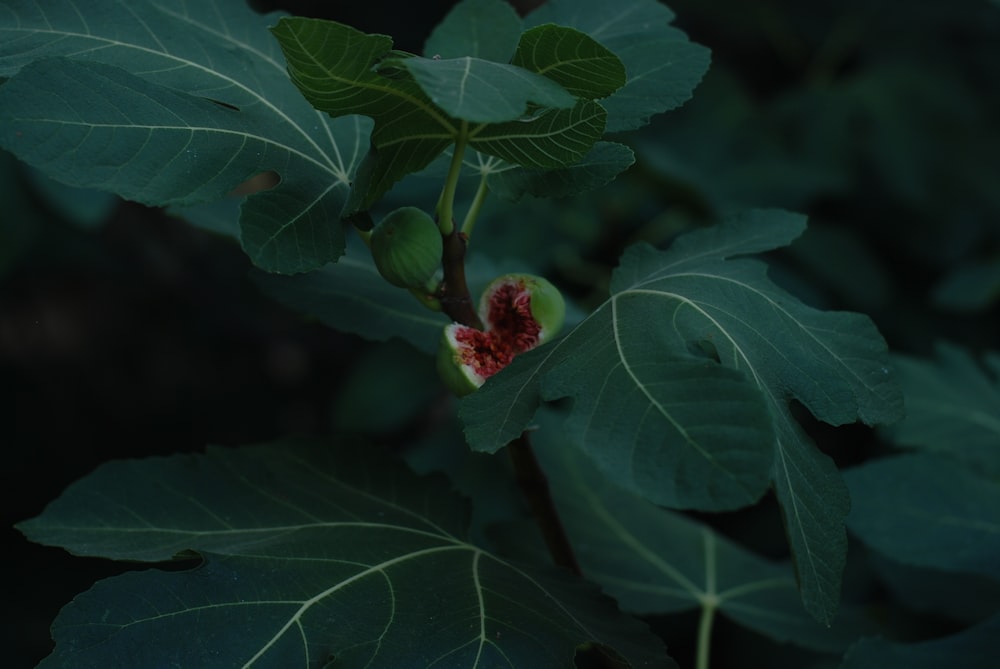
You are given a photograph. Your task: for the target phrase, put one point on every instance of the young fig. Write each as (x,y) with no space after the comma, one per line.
(519,312)
(406,246)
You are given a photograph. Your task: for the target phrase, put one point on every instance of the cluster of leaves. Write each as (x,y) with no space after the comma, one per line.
(689,382)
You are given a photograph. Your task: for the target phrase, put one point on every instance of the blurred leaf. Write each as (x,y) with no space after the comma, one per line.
(932,591)
(351,296)
(21,220)
(974,648)
(843,262)
(487,29)
(927,511)
(971,286)
(84,207)
(597,168)
(220,217)
(662,418)
(926,132)
(388,385)
(655,561)
(735,151)
(571,58)
(953,408)
(663,65)
(201,103)
(312,554)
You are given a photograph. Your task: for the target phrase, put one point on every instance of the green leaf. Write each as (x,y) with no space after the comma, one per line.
(481,91)
(973,648)
(662,418)
(814,503)
(312,554)
(663,65)
(203,104)
(972,286)
(334,68)
(351,296)
(953,408)
(551,138)
(597,168)
(927,511)
(337,70)
(655,561)
(487,29)
(571,58)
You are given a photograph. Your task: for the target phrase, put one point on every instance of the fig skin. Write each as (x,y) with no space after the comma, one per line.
(406,246)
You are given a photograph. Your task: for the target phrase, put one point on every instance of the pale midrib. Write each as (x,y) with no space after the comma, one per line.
(374,569)
(338,171)
(777,307)
(388,90)
(591,635)
(798,526)
(365,494)
(270,529)
(189,128)
(279,230)
(642,387)
(697,308)
(779,446)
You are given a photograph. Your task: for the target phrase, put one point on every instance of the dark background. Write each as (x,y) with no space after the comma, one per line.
(143,335)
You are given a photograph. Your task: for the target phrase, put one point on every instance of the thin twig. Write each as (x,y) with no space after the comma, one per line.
(535,488)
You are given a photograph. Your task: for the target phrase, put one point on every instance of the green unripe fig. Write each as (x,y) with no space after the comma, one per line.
(406,246)
(519,312)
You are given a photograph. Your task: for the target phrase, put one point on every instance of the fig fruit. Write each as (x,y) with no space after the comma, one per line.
(406,246)
(519,312)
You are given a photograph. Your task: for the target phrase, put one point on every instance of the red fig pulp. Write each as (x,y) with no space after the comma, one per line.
(519,311)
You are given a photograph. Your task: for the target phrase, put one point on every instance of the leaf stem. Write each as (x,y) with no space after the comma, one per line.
(708,607)
(446,204)
(477,204)
(535,488)
(364,235)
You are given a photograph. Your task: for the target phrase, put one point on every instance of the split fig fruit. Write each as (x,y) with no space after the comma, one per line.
(406,246)
(519,312)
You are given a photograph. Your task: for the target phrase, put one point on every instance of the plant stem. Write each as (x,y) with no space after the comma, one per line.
(453,294)
(535,488)
(456,302)
(477,204)
(708,606)
(364,235)
(446,205)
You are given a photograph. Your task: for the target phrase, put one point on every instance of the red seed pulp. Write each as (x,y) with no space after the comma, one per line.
(511,329)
